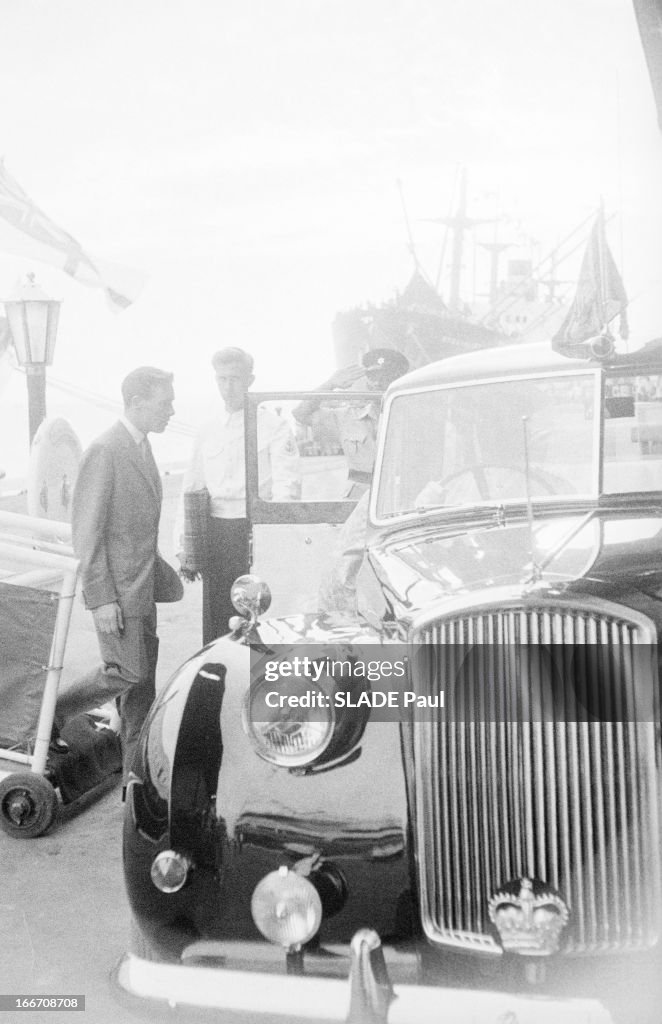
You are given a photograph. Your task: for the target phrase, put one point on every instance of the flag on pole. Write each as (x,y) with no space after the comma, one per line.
(600,295)
(25,230)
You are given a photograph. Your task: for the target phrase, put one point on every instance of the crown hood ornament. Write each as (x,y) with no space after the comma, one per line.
(529,917)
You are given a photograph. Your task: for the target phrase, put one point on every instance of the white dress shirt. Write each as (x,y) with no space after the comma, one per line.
(136,434)
(217,463)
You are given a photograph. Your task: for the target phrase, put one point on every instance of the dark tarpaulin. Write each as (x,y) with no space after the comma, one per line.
(649,19)
(27,623)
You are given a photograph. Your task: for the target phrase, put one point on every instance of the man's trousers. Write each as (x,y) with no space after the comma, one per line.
(127,673)
(227,558)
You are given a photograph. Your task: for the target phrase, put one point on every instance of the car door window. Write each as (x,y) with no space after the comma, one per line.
(632,409)
(309,455)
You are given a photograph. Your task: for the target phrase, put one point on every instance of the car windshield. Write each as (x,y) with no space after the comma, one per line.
(471,444)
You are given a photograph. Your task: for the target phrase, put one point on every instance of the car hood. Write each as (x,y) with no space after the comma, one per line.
(605,548)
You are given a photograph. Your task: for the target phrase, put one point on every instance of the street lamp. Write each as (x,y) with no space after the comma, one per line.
(33,319)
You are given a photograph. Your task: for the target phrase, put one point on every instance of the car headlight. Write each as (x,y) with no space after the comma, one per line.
(291,727)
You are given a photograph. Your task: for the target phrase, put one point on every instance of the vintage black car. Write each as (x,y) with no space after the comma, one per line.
(495,857)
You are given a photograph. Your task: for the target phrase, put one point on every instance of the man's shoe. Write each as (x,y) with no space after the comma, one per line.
(57,745)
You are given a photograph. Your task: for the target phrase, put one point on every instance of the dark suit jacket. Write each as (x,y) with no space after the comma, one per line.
(115,524)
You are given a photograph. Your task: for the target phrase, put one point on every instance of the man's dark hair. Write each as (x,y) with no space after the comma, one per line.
(233,355)
(142,382)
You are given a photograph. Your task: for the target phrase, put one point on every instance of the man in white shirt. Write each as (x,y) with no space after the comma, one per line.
(217,464)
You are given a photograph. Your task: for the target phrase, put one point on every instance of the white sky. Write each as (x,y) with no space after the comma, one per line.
(244,154)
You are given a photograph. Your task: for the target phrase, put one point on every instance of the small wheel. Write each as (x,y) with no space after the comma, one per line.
(28,805)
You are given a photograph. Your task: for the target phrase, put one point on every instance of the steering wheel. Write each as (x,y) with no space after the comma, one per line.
(478,471)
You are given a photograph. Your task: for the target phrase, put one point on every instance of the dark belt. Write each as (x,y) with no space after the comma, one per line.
(358,476)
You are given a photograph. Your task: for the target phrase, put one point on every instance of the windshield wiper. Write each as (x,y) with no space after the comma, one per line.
(536,571)
(498,511)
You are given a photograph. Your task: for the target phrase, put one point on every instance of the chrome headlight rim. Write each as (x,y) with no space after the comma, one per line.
(162,865)
(289,760)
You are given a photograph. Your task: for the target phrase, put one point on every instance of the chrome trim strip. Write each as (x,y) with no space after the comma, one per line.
(492,599)
(232,990)
(294,998)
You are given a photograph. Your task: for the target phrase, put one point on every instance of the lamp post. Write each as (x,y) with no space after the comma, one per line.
(33,319)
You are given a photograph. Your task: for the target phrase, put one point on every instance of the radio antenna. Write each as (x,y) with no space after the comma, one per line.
(536,572)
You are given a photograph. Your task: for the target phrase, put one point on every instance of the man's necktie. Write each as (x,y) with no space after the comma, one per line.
(147,454)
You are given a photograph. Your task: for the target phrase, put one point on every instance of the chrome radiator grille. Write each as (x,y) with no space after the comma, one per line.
(516,789)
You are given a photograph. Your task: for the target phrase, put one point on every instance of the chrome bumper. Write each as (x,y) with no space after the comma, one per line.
(366,998)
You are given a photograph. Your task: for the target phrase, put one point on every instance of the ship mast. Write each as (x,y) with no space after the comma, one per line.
(494,249)
(459,223)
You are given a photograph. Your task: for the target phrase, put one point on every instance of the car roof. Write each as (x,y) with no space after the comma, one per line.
(507,360)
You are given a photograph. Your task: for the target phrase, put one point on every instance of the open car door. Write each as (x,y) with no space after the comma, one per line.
(294,541)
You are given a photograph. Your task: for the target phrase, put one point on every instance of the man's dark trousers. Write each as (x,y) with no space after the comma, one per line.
(127,674)
(228,557)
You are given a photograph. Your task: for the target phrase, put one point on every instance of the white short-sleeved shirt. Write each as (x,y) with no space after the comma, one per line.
(217,463)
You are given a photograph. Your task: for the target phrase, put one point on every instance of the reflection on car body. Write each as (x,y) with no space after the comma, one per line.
(501,862)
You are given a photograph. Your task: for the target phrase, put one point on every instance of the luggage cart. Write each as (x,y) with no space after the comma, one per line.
(35,558)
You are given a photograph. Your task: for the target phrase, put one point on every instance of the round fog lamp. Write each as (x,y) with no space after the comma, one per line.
(286,908)
(169,871)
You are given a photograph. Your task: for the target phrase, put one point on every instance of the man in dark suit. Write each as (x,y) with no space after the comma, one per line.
(115,523)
